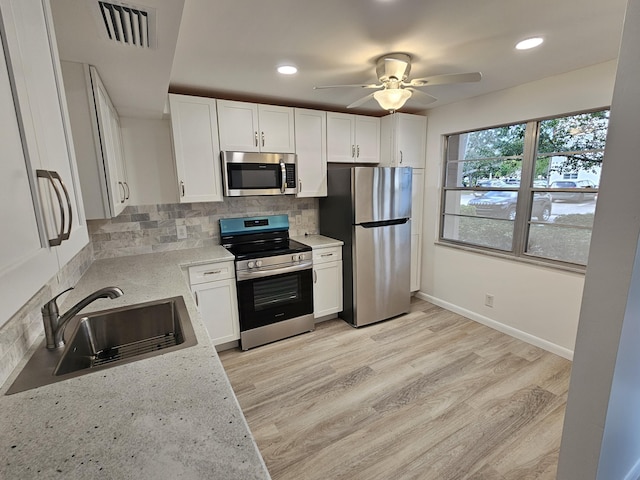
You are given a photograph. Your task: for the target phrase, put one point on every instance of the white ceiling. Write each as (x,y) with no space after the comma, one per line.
(231,48)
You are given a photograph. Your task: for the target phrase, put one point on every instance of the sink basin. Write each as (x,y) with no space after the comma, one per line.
(109,338)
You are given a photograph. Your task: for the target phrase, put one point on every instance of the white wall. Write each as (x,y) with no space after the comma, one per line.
(149,156)
(538,304)
(601,435)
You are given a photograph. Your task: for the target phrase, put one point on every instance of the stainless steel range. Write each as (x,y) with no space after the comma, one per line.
(273,278)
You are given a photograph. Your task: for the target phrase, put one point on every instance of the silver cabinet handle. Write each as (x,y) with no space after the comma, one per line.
(195,295)
(212,272)
(181,188)
(315,277)
(400,156)
(262,134)
(124,195)
(126,184)
(353,151)
(299,186)
(52,176)
(358,152)
(283,173)
(256,137)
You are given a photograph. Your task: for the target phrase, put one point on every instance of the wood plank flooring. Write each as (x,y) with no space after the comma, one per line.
(429,395)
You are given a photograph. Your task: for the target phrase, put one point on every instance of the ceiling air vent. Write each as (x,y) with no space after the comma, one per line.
(127,24)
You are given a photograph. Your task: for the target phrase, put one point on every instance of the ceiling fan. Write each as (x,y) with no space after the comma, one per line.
(393,72)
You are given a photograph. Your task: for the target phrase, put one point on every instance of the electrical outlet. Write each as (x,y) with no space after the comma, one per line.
(488,300)
(298,220)
(181,230)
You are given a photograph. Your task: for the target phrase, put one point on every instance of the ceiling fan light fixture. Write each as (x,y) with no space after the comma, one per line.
(392,98)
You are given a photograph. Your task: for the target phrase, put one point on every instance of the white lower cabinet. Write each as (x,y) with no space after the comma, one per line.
(327,281)
(214,290)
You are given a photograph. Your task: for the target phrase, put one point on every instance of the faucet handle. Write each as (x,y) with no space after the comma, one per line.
(52,306)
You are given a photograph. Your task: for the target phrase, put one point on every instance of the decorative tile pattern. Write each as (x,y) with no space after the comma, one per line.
(152,228)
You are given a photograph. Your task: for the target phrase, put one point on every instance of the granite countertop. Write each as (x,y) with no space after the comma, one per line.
(318,241)
(170,416)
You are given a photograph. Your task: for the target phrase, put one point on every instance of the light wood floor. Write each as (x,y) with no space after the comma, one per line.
(429,396)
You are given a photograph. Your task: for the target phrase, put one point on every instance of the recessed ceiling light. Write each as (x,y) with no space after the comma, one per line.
(529,43)
(287,69)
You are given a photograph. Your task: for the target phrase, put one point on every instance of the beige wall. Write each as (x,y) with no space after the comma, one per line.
(538,304)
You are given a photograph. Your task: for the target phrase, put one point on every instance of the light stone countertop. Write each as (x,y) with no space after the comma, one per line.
(166,417)
(318,241)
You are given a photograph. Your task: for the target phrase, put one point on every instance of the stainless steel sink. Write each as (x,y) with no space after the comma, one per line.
(109,338)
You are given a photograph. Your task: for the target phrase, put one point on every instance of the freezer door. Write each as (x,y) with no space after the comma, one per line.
(381,193)
(381,272)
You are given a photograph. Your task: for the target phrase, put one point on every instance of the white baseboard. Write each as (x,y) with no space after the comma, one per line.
(501,327)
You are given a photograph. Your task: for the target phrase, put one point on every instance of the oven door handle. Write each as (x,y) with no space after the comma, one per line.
(283,173)
(269,271)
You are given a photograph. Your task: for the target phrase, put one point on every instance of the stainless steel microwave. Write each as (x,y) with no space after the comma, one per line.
(248,173)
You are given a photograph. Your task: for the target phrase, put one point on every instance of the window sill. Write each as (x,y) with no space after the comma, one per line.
(551,264)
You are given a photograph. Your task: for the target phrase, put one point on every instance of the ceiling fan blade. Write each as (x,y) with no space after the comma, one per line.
(357,103)
(364,85)
(446,79)
(421,97)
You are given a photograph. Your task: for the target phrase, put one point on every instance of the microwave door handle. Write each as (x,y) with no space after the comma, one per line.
(283,172)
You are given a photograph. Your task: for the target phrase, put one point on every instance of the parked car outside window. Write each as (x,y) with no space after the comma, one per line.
(578,196)
(500,204)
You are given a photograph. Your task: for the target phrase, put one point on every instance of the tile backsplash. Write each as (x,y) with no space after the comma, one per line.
(153,228)
(22,329)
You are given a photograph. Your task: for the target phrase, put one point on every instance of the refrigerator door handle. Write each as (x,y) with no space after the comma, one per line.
(384,223)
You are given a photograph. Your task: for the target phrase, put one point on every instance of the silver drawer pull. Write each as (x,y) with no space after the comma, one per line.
(326,254)
(212,272)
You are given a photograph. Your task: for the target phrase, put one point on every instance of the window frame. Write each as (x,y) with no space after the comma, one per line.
(525,194)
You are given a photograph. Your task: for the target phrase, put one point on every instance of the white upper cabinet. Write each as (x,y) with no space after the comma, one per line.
(98,142)
(194,129)
(42,211)
(311,151)
(403,140)
(248,127)
(352,138)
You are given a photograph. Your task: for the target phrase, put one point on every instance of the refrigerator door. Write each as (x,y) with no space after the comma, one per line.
(381,193)
(381,272)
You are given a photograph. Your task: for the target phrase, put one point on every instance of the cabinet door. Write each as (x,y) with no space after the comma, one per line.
(276,129)
(39,92)
(194,127)
(218,307)
(311,151)
(417,197)
(367,139)
(238,126)
(110,140)
(327,288)
(411,140)
(25,264)
(340,137)
(415,261)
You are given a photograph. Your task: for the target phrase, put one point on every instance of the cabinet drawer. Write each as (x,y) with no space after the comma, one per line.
(211,272)
(324,255)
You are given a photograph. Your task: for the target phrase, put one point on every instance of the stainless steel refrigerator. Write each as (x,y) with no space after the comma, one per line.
(369,209)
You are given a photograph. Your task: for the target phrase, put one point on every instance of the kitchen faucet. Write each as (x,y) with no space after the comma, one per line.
(54,324)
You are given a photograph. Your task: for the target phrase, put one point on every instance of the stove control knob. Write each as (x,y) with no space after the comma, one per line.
(258,263)
(250,264)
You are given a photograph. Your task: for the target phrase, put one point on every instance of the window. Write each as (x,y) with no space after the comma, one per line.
(528,190)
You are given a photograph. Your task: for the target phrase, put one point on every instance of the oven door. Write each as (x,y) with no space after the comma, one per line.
(267,300)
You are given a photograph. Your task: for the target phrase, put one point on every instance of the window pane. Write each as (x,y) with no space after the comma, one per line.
(585,131)
(484,232)
(484,173)
(491,143)
(568,244)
